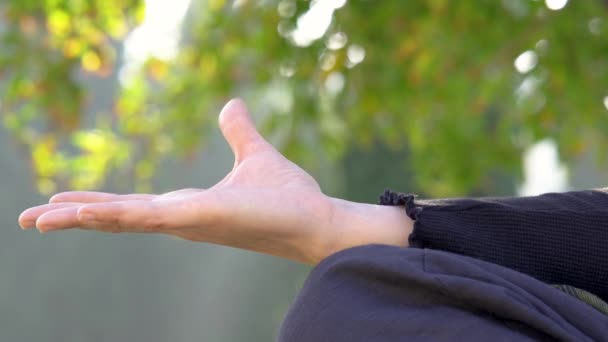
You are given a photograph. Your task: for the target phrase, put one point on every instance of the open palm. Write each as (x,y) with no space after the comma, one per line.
(266,203)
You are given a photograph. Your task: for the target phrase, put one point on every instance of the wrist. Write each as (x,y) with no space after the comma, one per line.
(356,224)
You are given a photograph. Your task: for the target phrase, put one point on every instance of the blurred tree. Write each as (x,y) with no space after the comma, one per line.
(465,86)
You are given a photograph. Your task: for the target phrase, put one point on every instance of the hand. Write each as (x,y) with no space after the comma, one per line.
(266,204)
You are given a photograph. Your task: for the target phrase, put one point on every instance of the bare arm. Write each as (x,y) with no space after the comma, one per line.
(265,204)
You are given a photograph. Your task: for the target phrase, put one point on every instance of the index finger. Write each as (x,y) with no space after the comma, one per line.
(96,197)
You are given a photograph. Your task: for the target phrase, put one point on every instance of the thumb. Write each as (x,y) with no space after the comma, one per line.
(239,130)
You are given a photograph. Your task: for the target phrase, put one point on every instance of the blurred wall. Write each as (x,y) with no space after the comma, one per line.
(87,286)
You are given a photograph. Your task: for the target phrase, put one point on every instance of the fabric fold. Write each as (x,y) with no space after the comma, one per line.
(388,293)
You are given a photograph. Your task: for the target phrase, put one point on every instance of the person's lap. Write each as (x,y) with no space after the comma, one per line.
(385,293)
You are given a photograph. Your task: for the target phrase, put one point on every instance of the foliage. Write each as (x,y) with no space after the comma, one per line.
(436,77)
(44,44)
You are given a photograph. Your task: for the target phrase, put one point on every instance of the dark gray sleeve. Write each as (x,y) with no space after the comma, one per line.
(559,238)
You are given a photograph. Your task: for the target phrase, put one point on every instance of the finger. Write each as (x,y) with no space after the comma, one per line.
(28,217)
(158,216)
(94,196)
(128,216)
(63,218)
(239,130)
(182,192)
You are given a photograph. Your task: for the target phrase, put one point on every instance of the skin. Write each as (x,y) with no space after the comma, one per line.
(265,204)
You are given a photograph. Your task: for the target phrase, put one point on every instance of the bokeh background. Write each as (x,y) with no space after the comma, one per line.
(441,98)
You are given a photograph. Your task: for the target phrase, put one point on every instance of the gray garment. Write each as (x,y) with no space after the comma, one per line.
(386,293)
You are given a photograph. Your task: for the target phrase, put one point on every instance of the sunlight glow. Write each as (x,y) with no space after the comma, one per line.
(526,61)
(595,26)
(555,5)
(337,41)
(328,61)
(334,83)
(287,70)
(542,46)
(286,9)
(543,171)
(158,36)
(356,54)
(313,24)
(527,87)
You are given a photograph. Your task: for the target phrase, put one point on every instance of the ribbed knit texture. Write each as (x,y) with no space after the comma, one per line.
(558,238)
